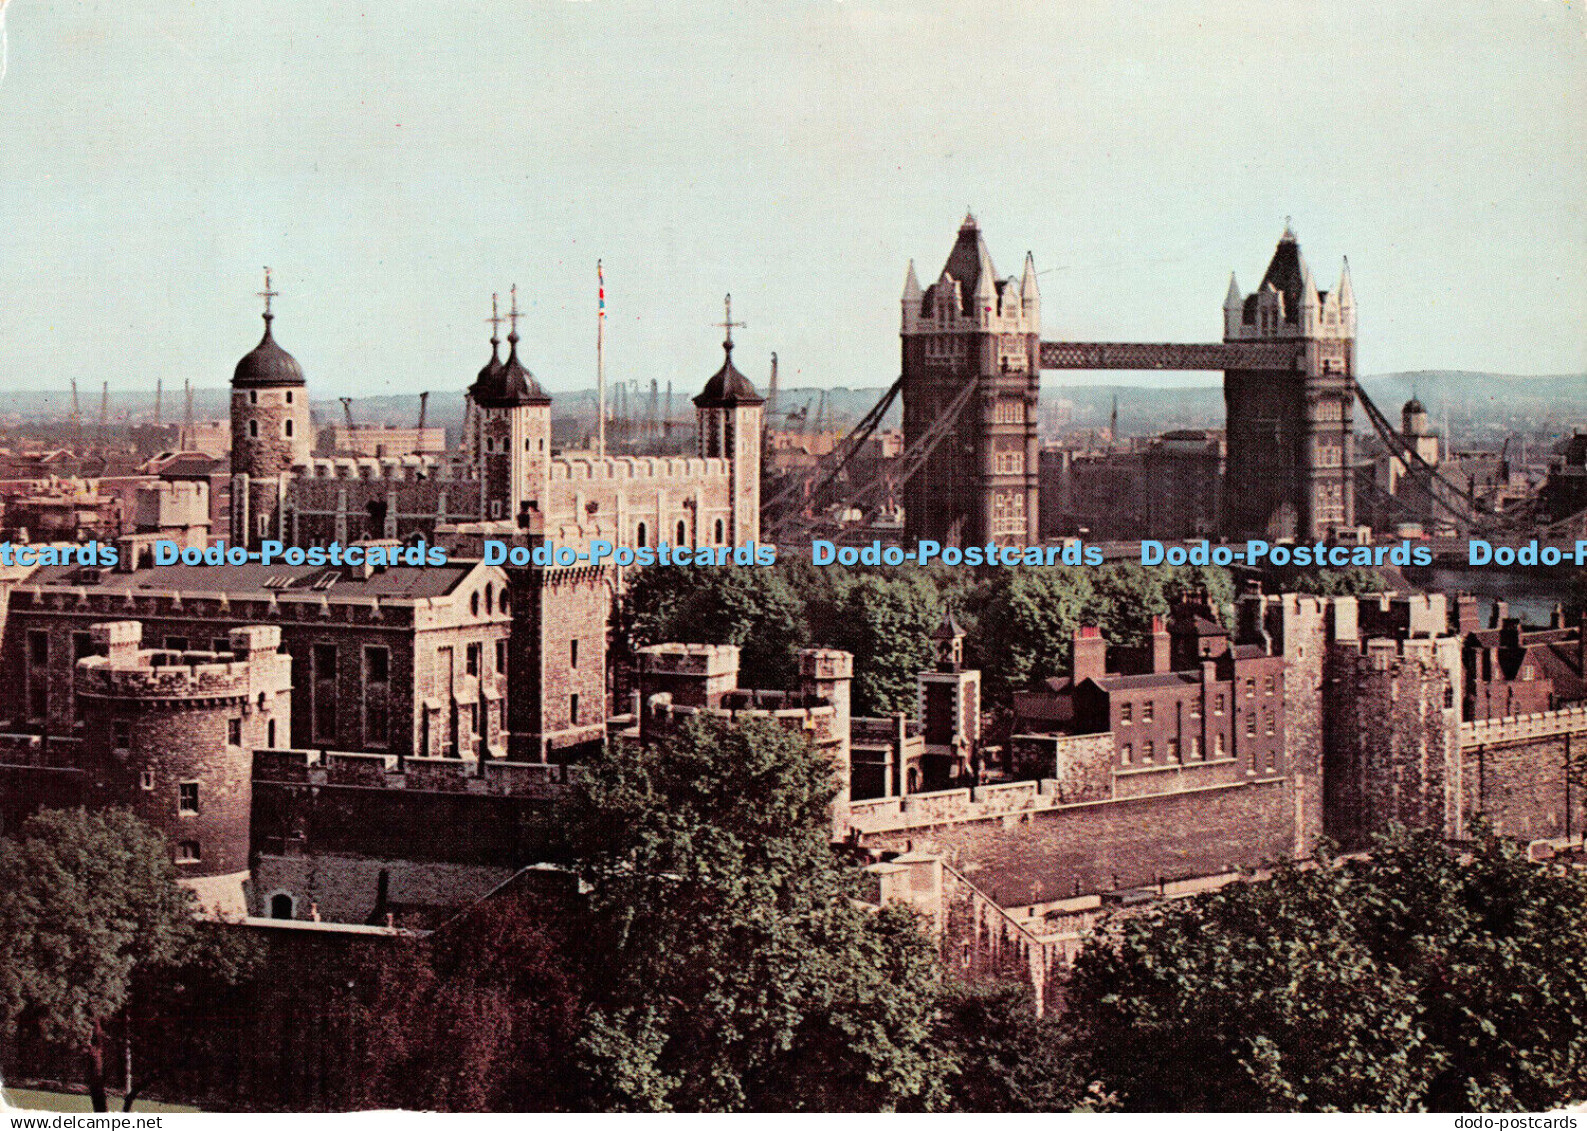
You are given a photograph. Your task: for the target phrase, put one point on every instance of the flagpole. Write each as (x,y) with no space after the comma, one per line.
(600,365)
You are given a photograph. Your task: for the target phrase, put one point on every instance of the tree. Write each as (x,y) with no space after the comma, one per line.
(750,606)
(1350,581)
(1026,620)
(478,1017)
(91,918)
(1415,979)
(1008,1058)
(886,622)
(730,967)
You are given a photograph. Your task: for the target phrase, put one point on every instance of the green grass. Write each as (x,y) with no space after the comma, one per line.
(32,1100)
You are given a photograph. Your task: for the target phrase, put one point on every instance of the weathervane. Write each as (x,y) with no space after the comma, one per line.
(495,320)
(727,322)
(267,294)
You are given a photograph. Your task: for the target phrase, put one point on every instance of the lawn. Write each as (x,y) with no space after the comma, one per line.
(32,1100)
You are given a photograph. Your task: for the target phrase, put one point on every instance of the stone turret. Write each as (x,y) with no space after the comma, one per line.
(171,736)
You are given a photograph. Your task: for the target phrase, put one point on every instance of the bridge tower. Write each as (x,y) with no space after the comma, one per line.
(980,483)
(1289,430)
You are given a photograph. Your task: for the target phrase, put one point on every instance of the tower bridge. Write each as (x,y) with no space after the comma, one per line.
(972,355)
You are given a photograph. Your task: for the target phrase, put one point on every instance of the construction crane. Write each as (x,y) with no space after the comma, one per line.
(347,411)
(77,420)
(104,416)
(424,407)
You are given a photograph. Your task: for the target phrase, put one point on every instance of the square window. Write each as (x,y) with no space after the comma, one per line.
(234,731)
(38,649)
(176,644)
(1126,713)
(1148,711)
(121,735)
(187,852)
(1147,750)
(187,797)
(146,779)
(1126,753)
(573,708)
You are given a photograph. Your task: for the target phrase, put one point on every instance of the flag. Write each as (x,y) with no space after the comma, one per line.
(600,277)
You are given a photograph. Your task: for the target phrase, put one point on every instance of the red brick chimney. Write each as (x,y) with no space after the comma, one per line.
(1161,642)
(1090,653)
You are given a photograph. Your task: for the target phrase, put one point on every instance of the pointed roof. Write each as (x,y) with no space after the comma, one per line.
(1233,299)
(267,364)
(949,629)
(509,384)
(911,284)
(1288,274)
(727,386)
(969,261)
(1027,282)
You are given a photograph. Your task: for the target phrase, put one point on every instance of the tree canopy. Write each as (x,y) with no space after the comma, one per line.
(92,915)
(737,972)
(1416,979)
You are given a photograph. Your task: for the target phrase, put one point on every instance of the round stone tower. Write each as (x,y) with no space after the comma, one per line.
(171,735)
(269,431)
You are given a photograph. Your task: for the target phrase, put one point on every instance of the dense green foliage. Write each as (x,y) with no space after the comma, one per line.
(737,973)
(1413,980)
(93,921)
(1020,621)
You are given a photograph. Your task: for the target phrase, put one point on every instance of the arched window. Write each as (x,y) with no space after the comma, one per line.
(281,907)
(473,603)
(719,532)
(683,532)
(253,429)
(270,735)
(639,535)
(286,427)
(502,602)
(490,598)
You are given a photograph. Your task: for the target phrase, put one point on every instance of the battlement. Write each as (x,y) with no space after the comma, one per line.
(1384,654)
(1521,728)
(825,663)
(576,466)
(397,469)
(992,802)
(127,671)
(701,660)
(807,713)
(532,780)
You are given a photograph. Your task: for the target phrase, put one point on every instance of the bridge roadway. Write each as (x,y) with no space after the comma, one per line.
(1168,355)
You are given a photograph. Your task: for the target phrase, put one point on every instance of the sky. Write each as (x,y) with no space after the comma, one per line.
(396,163)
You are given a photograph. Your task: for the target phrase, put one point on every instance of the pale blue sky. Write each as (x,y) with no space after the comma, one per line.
(396,162)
